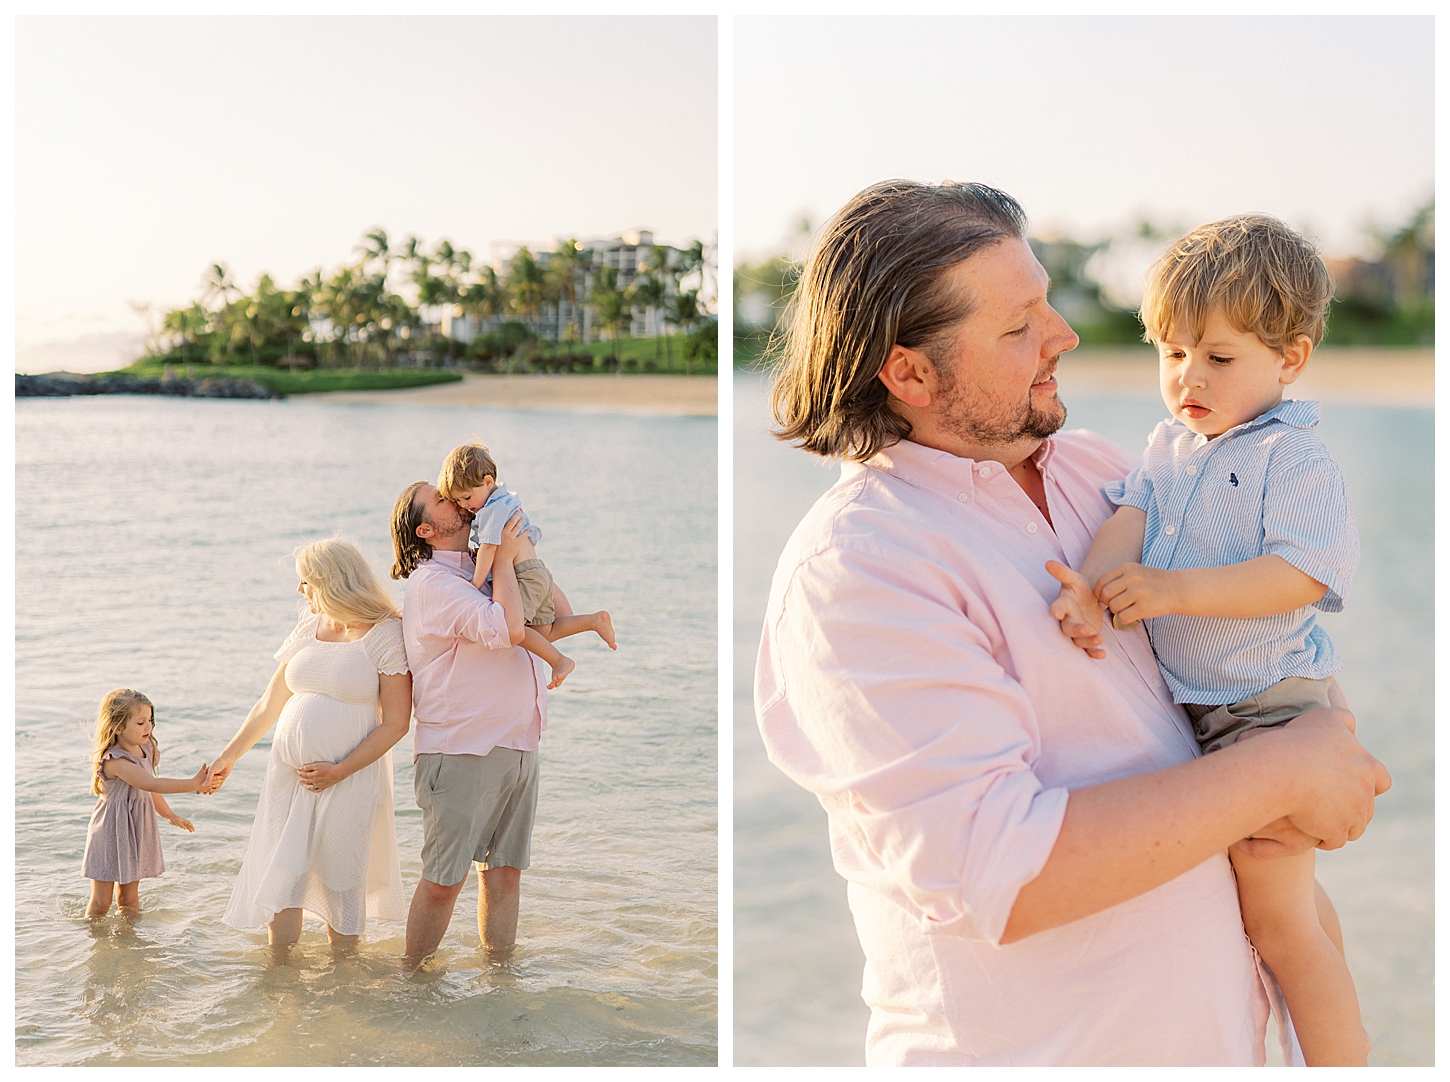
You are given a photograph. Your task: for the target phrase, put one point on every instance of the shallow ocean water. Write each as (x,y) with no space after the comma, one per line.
(167,569)
(797,961)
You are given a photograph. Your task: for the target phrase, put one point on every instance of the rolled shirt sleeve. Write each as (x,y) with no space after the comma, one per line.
(1136,490)
(460,610)
(914,738)
(1309,524)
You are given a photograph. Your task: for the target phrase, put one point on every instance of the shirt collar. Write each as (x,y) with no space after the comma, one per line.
(1295,412)
(940,471)
(455,563)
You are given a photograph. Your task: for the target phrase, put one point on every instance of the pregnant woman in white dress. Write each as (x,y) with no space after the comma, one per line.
(323,840)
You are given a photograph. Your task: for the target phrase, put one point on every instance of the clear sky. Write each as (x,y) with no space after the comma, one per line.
(1089,121)
(148,148)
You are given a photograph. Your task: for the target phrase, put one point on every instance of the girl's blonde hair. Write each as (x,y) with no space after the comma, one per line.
(115,710)
(344,587)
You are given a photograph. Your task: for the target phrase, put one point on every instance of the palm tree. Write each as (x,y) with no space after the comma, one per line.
(650,291)
(612,304)
(525,285)
(684,312)
(566,265)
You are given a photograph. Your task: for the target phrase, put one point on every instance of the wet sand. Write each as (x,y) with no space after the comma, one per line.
(692,396)
(1384,377)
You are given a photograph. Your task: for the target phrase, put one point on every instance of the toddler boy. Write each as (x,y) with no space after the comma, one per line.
(1235,529)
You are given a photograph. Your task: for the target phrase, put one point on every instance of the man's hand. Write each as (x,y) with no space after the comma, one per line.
(1134,592)
(513,530)
(1078,610)
(1336,779)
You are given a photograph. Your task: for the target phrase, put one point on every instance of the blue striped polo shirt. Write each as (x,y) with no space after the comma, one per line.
(1266,487)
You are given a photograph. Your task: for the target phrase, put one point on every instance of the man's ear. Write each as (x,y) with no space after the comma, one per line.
(1295,358)
(424,530)
(909,376)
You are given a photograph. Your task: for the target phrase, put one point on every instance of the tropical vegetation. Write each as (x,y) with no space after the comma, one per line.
(398,307)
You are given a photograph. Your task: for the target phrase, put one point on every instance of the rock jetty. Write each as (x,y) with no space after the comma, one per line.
(67,383)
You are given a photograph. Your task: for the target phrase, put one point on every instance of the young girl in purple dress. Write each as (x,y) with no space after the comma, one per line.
(123,845)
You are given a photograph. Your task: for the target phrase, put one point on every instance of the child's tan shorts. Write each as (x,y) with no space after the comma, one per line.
(536,585)
(1219,726)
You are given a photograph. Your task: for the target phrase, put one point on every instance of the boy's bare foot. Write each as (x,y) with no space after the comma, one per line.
(604,626)
(561,670)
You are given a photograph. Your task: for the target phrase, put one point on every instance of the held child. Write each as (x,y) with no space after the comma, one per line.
(123,845)
(469,479)
(1228,537)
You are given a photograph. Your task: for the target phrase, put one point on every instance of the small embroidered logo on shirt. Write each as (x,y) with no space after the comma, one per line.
(1233,479)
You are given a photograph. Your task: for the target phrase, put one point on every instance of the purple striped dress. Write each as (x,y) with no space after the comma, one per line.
(124,842)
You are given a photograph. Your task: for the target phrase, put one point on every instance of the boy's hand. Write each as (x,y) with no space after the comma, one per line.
(1134,592)
(1078,610)
(184,824)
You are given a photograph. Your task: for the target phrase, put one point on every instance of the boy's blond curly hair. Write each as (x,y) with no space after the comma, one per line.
(464,469)
(1265,278)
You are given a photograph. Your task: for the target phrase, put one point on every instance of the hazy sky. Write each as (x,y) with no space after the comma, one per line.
(148,148)
(1089,121)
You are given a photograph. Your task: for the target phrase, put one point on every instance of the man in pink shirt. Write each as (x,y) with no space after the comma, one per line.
(1035,853)
(480,708)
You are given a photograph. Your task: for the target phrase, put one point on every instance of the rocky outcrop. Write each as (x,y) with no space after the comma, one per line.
(66,383)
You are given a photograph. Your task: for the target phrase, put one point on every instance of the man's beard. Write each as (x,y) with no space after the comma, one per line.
(958,417)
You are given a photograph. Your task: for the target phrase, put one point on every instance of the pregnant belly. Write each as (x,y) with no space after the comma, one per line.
(316,728)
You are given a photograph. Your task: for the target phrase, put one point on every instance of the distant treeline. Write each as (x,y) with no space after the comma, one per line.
(402,306)
(1386,301)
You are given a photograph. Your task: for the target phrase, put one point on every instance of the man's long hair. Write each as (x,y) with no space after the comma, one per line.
(874,281)
(409,550)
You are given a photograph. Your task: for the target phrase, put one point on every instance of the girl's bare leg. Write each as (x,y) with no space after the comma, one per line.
(128,898)
(101,895)
(536,644)
(285,928)
(1282,917)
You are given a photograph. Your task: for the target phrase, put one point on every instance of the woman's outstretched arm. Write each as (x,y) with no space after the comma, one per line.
(260,718)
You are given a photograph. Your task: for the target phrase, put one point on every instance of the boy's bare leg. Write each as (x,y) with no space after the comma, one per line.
(564,626)
(1281,915)
(536,644)
(498,911)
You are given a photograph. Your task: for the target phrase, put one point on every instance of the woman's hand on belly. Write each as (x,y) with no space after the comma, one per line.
(319,776)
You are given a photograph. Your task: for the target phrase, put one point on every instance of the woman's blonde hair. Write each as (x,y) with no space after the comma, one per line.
(344,587)
(115,710)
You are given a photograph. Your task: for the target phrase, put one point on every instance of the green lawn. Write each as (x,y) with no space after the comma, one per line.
(642,352)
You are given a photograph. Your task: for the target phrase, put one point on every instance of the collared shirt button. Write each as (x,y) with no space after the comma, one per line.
(962,496)
(1170,530)
(985,471)
(1032,527)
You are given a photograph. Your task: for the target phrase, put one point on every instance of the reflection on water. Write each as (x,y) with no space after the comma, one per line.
(797,962)
(172,576)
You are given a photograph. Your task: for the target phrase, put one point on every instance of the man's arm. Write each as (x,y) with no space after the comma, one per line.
(1123,838)
(876,694)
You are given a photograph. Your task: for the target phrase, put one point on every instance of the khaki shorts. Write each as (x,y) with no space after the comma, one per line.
(1219,726)
(536,584)
(475,808)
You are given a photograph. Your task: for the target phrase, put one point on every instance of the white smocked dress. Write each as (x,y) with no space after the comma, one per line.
(333,853)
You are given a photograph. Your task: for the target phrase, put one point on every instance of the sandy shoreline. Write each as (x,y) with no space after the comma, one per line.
(693,396)
(1382,377)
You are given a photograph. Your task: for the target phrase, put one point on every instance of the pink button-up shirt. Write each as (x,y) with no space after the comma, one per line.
(911,677)
(473,691)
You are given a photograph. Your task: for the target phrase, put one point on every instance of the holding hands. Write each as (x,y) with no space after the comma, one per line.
(1130,591)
